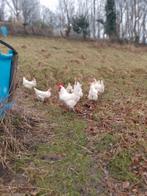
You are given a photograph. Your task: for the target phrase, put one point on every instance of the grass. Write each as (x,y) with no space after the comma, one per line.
(119,167)
(106,142)
(93,151)
(63,164)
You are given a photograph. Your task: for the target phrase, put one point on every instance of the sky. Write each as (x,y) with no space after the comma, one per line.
(52,4)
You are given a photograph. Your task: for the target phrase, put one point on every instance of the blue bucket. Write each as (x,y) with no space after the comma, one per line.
(7,69)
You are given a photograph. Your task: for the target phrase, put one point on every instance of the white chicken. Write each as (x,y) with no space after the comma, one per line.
(78,89)
(42,95)
(69,99)
(99,85)
(96,88)
(93,93)
(69,88)
(29,84)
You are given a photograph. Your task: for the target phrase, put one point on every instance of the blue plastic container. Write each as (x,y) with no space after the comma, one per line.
(5,73)
(7,67)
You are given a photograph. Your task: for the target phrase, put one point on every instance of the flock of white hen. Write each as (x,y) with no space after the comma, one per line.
(70,95)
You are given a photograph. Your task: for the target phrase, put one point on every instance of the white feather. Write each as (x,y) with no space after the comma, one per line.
(29,84)
(99,85)
(78,89)
(69,88)
(93,94)
(42,95)
(69,99)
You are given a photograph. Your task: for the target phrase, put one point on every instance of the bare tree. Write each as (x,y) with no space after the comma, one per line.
(30,11)
(48,17)
(15,8)
(66,10)
(131,16)
(2,7)
(94,18)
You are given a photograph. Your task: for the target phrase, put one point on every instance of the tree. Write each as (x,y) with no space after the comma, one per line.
(66,10)
(2,7)
(110,25)
(81,25)
(30,12)
(15,8)
(94,20)
(35,14)
(27,10)
(24,10)
(48,17)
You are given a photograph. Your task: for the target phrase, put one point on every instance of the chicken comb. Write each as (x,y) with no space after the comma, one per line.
(60,84)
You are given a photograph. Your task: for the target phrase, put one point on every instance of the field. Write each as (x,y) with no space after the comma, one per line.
(101,149)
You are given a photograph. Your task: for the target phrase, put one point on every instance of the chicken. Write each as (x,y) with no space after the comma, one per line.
(78,89)
(42,95)
(69,88)
(69,99)
(96,88)
(29,84)
(99,85)
(93,93)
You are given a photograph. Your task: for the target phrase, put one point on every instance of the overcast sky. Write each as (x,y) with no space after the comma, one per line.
(52,4)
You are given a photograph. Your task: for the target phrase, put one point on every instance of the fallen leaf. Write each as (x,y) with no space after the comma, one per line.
(126,185)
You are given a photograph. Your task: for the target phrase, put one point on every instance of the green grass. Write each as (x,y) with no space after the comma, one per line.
(106,142)
(63,166)
(119,167)
(76,151)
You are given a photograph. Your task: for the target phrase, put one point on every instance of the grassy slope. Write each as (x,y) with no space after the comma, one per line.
(103,147)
